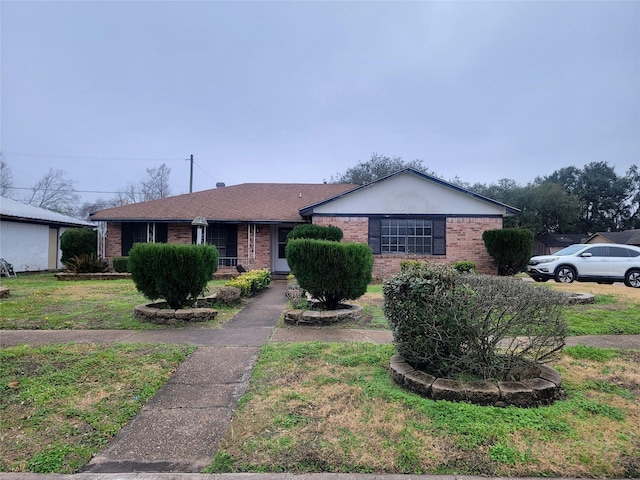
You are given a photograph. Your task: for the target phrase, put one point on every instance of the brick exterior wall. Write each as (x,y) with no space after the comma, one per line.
(179,233)
(464,242)
(355,229)
(262,247)
(113,241)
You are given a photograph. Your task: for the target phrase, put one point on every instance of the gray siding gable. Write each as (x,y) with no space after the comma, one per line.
(409,192)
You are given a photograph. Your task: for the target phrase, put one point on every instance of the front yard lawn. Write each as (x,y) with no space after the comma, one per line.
(321,407)
(41,302)
(60,404)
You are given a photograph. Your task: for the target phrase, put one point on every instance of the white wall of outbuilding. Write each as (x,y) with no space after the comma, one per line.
(27,246)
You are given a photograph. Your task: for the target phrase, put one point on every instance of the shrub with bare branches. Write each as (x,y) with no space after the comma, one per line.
(481,326)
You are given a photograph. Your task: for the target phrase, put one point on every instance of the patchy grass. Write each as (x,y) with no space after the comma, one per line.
(59,404)
(614,313)
(41,302)
(314,407)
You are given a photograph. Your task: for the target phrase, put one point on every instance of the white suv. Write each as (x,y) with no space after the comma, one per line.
(589,262)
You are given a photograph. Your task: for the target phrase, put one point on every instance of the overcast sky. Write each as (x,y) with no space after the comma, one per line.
(275,91)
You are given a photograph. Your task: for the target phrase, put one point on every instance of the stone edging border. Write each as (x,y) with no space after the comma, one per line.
(577,297)
(324,317)
(92,276)
(541,390)
(169,316)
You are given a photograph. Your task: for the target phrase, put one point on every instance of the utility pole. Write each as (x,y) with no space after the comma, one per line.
(191,176)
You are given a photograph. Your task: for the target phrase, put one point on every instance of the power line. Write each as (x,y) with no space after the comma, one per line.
(204,171)
(77,191)
(92,158)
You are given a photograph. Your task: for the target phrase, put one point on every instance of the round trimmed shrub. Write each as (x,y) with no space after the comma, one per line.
(317,232)
(510,249)
(330,271)
(176,273)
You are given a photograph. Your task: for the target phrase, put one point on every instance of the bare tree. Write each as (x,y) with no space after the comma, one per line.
(129,194)
(6,177)
(54,192)
(157,184)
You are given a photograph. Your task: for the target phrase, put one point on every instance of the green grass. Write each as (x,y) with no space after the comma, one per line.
(42,302)
(315,407)
(60,404)
(607,316)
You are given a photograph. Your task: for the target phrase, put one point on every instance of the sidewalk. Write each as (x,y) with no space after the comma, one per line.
(180,429)
(178,432)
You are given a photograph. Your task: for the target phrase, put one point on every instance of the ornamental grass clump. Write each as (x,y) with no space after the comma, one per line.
(175,273)
(454,325)
(86,263)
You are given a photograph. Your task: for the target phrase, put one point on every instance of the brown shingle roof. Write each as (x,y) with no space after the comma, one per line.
(247,202)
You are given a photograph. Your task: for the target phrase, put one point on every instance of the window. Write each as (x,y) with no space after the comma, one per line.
(420,236)
(618,252)
(142,232)
(225,238)
(406,236)
(597,251)
(217,235)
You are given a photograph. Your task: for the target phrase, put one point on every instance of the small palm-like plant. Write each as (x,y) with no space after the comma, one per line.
(86,263)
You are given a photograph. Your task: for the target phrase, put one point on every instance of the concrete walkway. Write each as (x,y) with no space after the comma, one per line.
(180,429)
(178,432)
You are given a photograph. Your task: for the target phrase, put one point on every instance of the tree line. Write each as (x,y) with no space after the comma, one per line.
(584,200)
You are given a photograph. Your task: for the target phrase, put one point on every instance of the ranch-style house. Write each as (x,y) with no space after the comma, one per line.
(405,215)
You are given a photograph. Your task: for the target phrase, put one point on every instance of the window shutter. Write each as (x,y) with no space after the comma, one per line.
(232,240)
(162,232)
(375,230)
(439,236)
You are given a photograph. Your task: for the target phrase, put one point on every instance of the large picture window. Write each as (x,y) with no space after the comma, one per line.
(419,236)
(406,236)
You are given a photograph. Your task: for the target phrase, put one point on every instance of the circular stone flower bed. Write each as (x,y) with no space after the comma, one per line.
(344,312)
(540,387)
(159,313)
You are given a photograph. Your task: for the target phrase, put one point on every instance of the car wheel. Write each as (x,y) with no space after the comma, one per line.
(632,279)
(540,279)
(565,274)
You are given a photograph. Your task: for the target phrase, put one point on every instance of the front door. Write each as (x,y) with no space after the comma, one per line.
(280,264)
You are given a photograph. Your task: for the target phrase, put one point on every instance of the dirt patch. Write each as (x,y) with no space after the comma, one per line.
(373,299)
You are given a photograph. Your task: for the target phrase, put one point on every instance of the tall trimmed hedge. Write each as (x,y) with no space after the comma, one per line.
(330,271)
(75,242)
(510,249)
(317,232)
(175,273)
